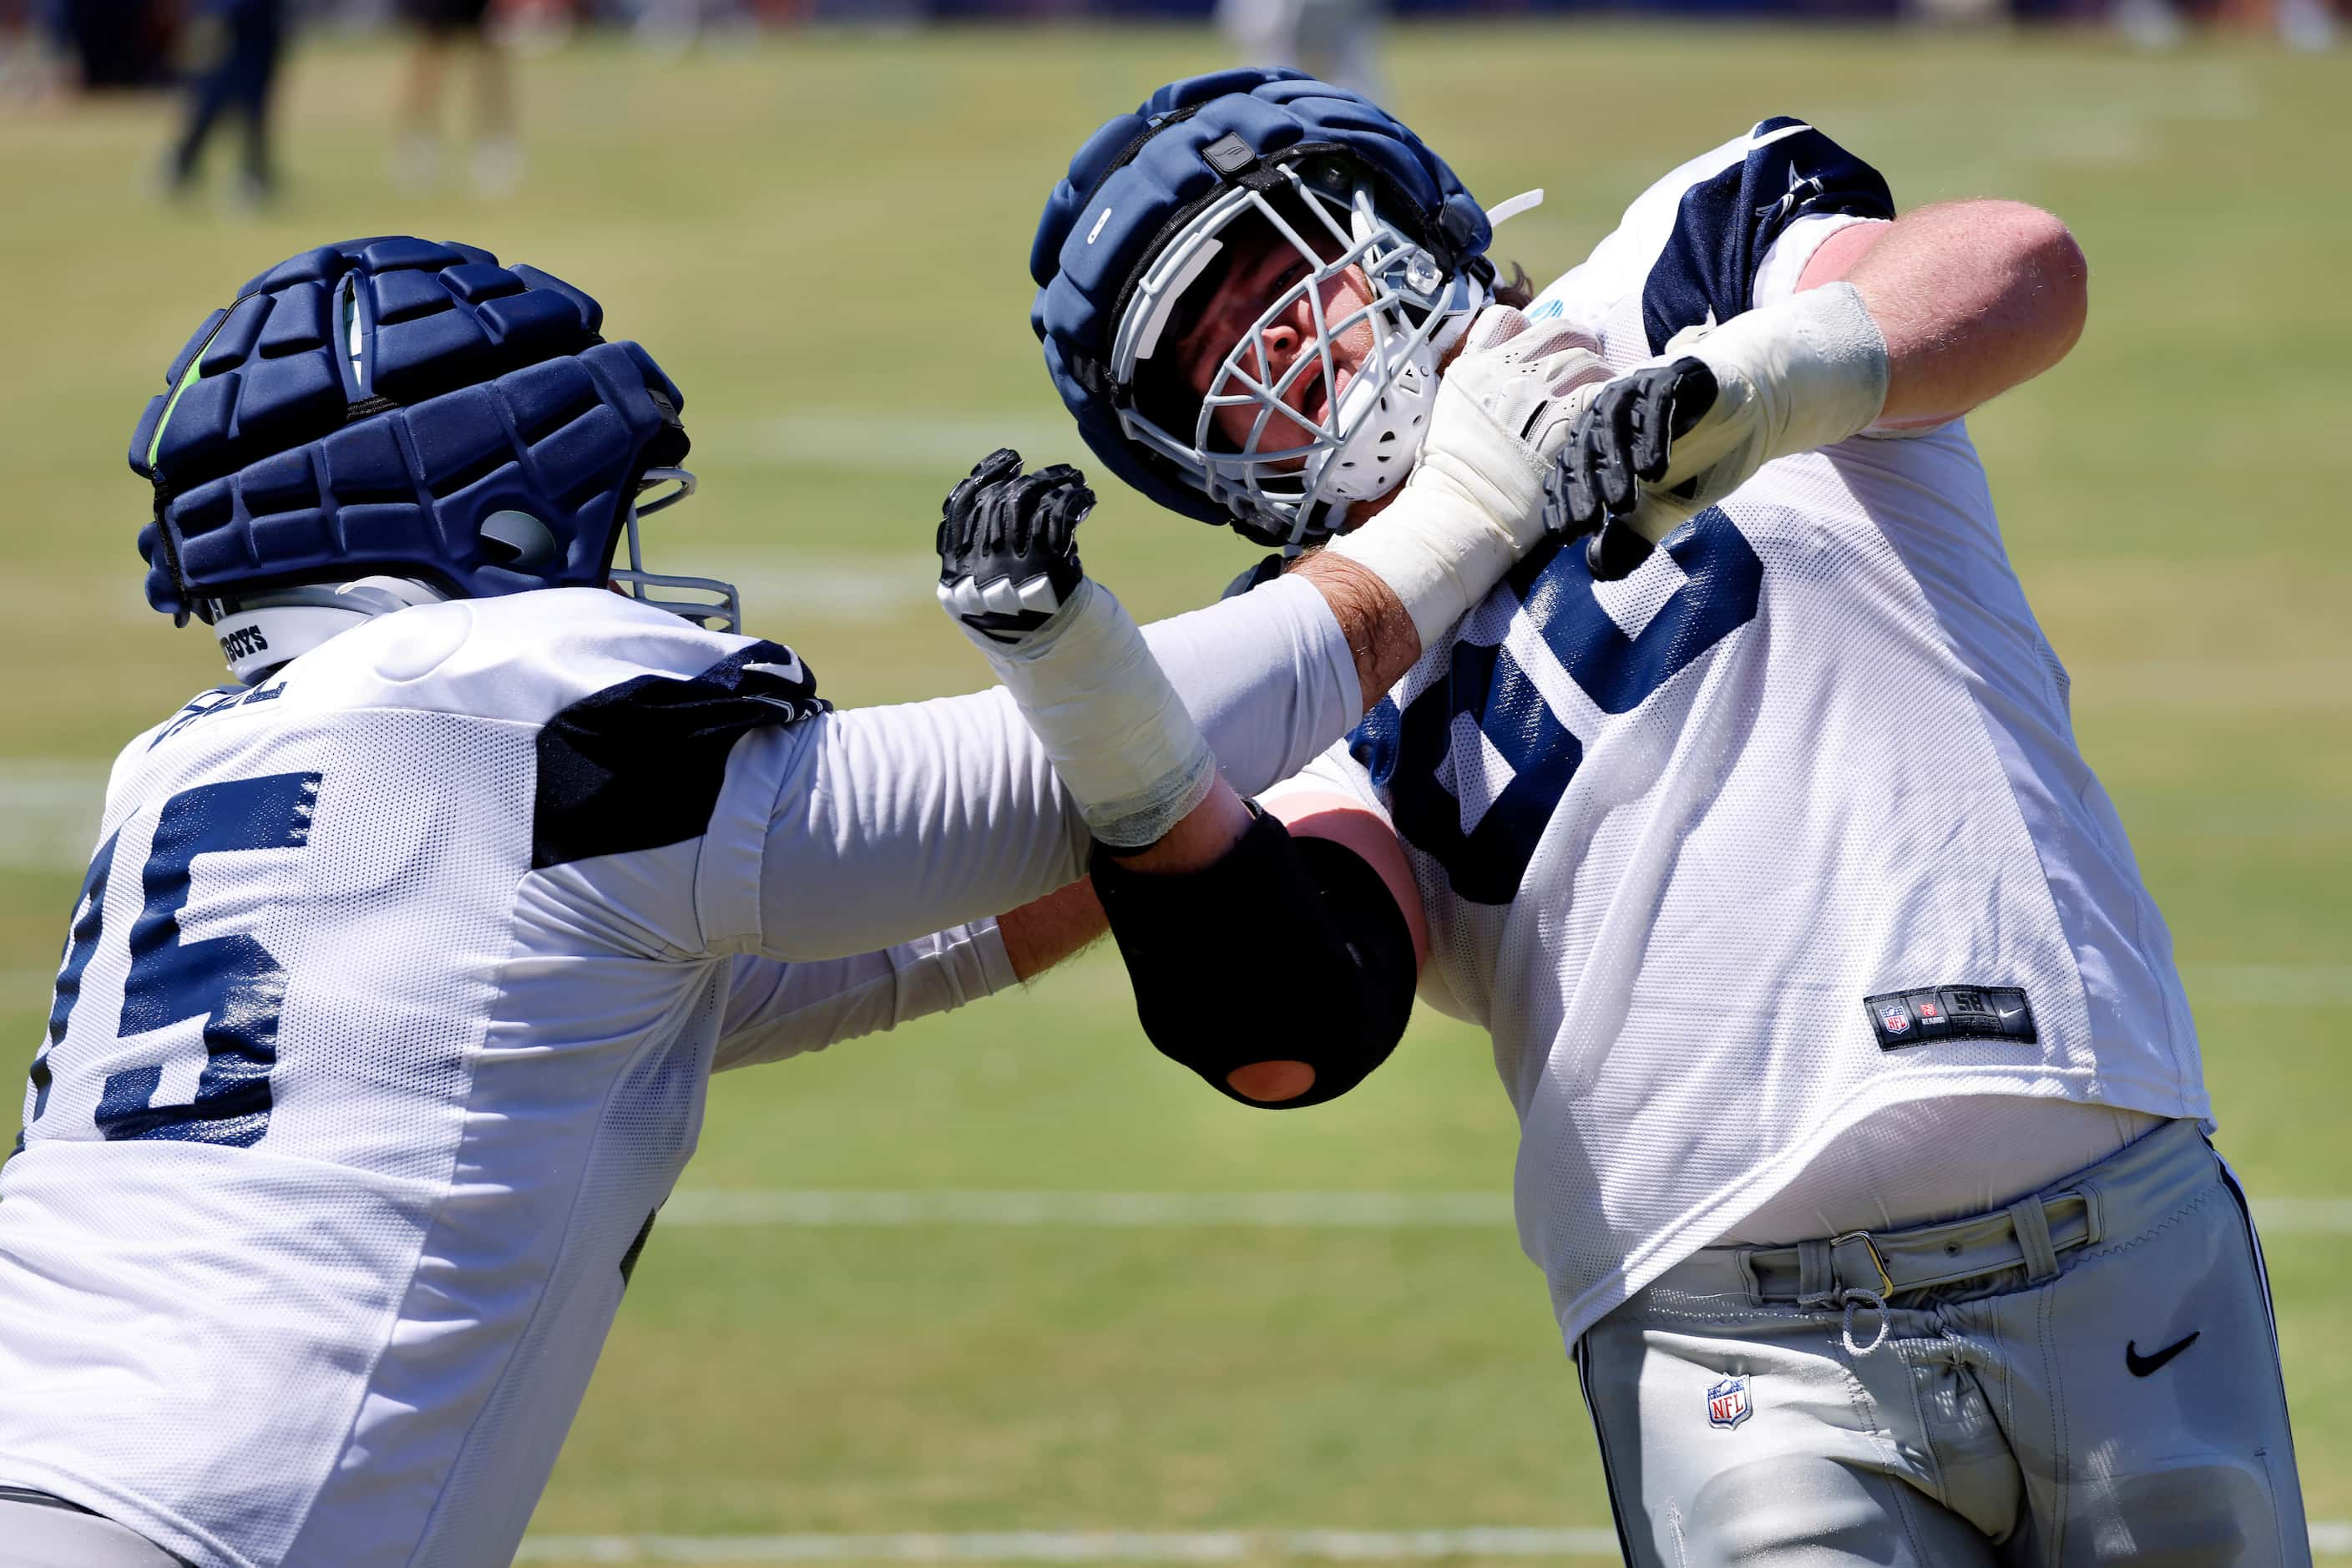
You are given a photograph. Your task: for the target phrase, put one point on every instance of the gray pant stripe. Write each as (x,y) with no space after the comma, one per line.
(1580,1353)
(2253,1239)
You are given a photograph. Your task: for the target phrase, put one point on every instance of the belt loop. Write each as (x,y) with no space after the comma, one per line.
(1816,1280)
(1744,1260)
(2034,1239)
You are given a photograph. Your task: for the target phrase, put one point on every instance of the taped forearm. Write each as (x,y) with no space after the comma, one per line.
(890,821)
(1675,437)
(1266,680)
(1801,374)
(1117,733)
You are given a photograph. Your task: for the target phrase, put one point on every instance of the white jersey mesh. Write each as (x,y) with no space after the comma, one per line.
(1670,831)
(490,887)
(353,1326)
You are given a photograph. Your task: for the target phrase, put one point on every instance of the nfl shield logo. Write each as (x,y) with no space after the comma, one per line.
(1726,1403)
(1896,1020)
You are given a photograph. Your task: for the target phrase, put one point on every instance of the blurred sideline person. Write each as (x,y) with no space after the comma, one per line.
(26,70)
(1861,1106)
(2307,26)
(444,29)
(387,1006)
(1335,41)
(117,43)
(241,78)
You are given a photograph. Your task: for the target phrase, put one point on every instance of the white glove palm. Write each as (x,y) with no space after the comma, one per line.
(1475,504)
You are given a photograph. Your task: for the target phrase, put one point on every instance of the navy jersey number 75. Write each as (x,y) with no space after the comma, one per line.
(232,981)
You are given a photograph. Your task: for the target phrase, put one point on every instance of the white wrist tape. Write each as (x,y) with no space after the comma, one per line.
(1474,505)
(1439,557)
(1806,372)
(1121,739)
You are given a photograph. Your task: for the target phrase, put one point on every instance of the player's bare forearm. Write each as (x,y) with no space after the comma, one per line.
(1373,619)
(1973,298)
(1053,928)
(1041,934)
(1062,925)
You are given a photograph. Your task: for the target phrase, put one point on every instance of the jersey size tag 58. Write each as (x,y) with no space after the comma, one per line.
(1902,1019)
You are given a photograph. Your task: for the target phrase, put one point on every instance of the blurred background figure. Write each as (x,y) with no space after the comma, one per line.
(2306,25)
(446,29)
(24,69)
(251,36)
(1335,40)
(114,43)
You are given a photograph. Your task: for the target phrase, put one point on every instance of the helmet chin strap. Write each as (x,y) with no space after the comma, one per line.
(259,635)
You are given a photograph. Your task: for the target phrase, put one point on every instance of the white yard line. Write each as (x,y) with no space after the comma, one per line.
(785,592)
(2270,984)
(1111,1211)
(2329,1539)
(895,442)
(2303,1217)
(800,1207)
(48,812)
(1075,1546)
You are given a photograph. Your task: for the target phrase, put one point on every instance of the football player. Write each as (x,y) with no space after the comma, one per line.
(388,1001)
(1863,1122)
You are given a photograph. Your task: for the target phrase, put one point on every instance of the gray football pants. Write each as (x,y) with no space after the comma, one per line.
(2091,1375)
(50,1535)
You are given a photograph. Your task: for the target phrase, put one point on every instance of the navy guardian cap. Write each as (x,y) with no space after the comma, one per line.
(1145,227)
(399,409)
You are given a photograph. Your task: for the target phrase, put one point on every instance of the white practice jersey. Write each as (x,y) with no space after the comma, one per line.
(1786,825)
(383,1024)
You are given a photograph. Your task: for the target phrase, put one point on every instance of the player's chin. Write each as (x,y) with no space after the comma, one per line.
(1271,1083)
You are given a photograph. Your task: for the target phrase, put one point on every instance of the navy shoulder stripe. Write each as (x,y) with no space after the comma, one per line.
(640,765)
(1727,221)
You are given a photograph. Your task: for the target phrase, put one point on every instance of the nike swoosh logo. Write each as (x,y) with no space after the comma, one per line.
(2143,1366)
(795,671)
(2008,1013)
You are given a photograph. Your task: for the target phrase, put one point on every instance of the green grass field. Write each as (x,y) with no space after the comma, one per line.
(825,240)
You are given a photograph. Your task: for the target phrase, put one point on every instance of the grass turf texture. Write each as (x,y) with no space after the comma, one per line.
(824,240)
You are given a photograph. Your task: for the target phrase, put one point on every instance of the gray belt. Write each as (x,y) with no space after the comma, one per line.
(2029,1234)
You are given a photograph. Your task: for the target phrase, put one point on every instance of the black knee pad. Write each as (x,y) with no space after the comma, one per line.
(1284,950)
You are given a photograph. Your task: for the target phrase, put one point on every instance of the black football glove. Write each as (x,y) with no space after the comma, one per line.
(1008,545)
(1625,440)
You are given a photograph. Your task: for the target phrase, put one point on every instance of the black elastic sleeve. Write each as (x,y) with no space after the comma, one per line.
(1284,950)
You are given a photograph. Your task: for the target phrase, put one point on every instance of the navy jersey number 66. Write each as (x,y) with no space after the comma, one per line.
(1422,757)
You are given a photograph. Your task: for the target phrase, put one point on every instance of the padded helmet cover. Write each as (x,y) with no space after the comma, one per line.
(1136,180)
(365,408)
